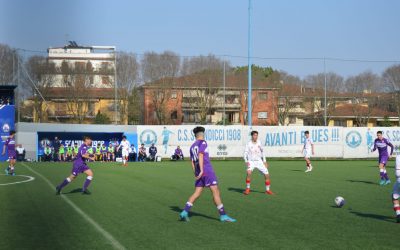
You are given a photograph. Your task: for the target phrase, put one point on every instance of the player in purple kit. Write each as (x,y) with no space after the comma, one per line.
(381,144)
(12,155)
(79,166)
(205,177)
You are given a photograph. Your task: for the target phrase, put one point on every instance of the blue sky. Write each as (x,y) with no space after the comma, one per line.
(362,29)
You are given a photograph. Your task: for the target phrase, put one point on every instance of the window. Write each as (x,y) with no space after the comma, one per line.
(263,96)
(292,119)
(340,123)
(262,115)
(174,95)
(174,115)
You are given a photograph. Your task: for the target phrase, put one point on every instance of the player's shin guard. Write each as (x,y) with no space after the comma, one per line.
(267,185)
(396,208)
(64,183)
(247,183)
(221,209)
(87,183)
(188,206)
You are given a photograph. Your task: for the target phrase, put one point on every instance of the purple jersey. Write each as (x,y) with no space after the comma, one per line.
(10,143)
(200,147)
(81,151)
(178,151)
(382,145)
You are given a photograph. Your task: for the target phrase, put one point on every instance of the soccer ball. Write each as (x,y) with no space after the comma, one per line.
(339,201)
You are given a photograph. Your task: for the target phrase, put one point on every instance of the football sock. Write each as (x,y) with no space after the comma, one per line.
(221,209)
(12,169)
(188,206)
(247,183)
(385,175)
(64,183)
(87,182)
(267,185)
(382,174)
(396,208)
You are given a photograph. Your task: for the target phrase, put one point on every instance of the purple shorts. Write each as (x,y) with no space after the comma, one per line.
(383,159)
(206,181)
(79,168)
(12,156)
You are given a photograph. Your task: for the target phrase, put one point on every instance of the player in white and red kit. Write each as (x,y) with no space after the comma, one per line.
(396,190)
(308,150)
(125,145)
(255,159)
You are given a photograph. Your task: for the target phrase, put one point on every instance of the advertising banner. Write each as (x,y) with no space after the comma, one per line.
(7,119)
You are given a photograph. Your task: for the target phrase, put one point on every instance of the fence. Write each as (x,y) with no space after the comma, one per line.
(229,141)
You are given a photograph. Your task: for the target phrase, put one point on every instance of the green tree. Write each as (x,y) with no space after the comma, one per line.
(101,119)
(257,71)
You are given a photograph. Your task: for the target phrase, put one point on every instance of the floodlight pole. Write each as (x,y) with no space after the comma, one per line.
(249,96)
(223,79)
(325,86)
(115,86)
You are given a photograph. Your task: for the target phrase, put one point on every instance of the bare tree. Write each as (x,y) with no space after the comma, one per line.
(391,78)
(8,64)
(39,78)
(76,88)
(202,97)
(365,82)
(201,63)
(127,74)
(160,70)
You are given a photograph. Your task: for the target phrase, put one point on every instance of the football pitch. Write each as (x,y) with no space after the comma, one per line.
(137,208)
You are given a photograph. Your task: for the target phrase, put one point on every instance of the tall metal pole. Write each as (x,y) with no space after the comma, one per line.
(115,86)
(223,80)
(18,91)
(249,96)
(325,86)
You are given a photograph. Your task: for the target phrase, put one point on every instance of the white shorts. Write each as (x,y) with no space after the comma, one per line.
(257,165)
(396,190)
(125,153)
(307,154)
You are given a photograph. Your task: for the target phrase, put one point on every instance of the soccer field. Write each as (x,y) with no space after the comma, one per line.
(137,207)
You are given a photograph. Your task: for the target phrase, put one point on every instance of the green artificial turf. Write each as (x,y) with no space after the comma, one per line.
(139,206)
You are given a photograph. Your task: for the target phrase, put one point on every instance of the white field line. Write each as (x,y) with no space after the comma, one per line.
(85,216)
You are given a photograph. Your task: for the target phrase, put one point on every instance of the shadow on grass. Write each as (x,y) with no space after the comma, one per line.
(296,170)
(74,191)
(241,190)
(361,181)
(178,210)
(374,216)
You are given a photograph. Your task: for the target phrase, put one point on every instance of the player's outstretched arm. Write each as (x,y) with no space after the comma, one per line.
(4,150)
(312,148)
(391,148)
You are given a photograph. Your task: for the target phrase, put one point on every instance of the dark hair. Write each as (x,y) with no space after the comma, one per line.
(124,137)
(12,132)
(379,132)
(307,132)
(197,130)
(86,138)
(254,132)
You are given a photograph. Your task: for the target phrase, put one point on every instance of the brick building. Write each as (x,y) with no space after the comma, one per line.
(202,98)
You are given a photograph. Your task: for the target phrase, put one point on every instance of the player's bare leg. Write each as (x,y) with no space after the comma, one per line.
(248,181)
(218,203)
(308,163)
(89,178)
(184,215)
(396,208)
(11,167)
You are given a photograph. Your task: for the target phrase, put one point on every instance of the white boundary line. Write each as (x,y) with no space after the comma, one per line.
(96,226)
(30,178)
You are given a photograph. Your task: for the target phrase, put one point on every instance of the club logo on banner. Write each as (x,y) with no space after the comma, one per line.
(353,139)
(6,128)
(148,137)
